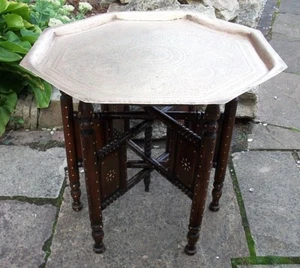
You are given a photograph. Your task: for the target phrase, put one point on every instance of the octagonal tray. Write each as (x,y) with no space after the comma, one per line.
(153,58)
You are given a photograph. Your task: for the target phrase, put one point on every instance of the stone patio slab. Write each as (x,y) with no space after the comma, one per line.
(290,6)
(24,228)
(149,230)
(279,101)
(272,205)
(286,26)
(271,266)
(290,53)
(28,172)
(35,138)
(272,137)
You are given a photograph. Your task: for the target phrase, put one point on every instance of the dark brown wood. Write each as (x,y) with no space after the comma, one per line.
(137,164)
(100,132)
(169,121)
(160,168)
(71,149)
(202,173)
(223,153)
(77,137)
(126,115)
(188,123)
(147,150)
(110,174)
(126,108)
(109,127)
(186,163)
(123,166)
(91,168)
(116,143)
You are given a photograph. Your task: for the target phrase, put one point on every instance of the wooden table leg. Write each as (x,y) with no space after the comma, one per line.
(223,154)
(208,142)
(148,149)
(91,168)
(71,150)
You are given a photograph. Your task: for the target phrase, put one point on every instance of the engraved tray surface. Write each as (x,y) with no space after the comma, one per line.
(153,58)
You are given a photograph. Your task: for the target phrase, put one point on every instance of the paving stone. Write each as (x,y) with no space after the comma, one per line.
(24,228)
(31,173)
(273,206)
(289,52)
(149,230)
(35,138)
(286,26)
(290,6)
(279,101)
(265,20)
(271,137)
(271,266)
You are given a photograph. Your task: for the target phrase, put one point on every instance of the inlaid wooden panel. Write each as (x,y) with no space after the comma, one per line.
(111,174)
(185,162)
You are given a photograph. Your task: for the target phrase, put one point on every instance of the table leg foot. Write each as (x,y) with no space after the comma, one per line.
(192,237)
(98,235)
(214,207)
(77,206)
(190,250)
(99,248)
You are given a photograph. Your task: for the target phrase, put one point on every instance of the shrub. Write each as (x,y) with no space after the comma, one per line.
(21,23)
(17,35)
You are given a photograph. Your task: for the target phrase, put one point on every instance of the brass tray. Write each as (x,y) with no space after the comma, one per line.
(153,58)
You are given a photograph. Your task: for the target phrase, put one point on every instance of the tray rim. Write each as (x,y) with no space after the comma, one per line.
(262,47)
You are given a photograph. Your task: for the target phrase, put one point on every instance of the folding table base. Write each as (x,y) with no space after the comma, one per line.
(195,143)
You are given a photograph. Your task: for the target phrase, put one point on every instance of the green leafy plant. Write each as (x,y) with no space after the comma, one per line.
(21,23)
(51,12)
(56,12)
(17,35)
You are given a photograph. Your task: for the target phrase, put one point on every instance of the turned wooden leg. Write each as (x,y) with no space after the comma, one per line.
(71,150)
(223,154)
(91,168)
(147,150)
(208,142)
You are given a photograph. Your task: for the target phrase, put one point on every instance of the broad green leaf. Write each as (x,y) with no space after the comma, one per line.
(8,56)
(16,68)
(29,35)
(19,9)
(27,25)
(34,81)
(12,37)
(37,30)
(7,105)
(14,47)
(3,5)
(14,21)
(42,97)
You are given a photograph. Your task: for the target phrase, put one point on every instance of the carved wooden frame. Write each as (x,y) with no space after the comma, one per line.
(195,143)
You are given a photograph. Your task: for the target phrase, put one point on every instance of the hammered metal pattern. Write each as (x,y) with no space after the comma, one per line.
(153,58)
